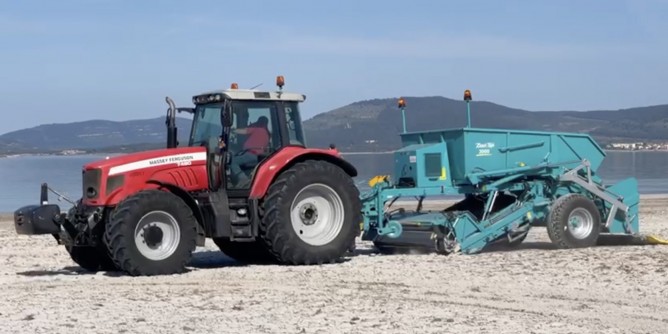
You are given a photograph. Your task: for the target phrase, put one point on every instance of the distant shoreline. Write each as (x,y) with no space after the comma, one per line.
(17,155)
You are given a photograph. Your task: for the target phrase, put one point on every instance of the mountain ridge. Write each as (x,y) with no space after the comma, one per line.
(365,125)
(641,124)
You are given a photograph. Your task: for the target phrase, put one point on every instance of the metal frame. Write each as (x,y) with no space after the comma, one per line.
(596,189)
(378,222)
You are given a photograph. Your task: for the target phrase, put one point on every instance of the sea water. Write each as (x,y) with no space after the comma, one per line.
(21,176)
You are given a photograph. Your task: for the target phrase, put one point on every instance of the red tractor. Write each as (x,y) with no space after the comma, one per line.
(245,180)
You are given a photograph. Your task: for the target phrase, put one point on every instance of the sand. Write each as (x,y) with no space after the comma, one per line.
(533,289)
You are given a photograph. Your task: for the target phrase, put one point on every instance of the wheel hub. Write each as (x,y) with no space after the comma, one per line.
(317,214)
(308,214)
(152,235)
(580,223)
(157,235)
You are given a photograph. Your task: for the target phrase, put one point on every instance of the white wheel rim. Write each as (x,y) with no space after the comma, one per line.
(317,214)
(580,223)
(157,235)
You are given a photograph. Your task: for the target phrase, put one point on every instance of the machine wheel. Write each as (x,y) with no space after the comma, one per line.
(574,222)
(152,233)
(91,258)
(312,214)
(247,252)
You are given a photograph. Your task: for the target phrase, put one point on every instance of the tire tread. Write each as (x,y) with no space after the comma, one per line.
(117,240)
(275,231)
(559,213)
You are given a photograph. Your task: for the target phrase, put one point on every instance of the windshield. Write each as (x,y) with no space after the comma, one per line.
(295,132)
(206,124)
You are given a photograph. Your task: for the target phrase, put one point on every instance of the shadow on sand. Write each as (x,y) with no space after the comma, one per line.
(603,241)
(200,260)
(217,259)
(69,270)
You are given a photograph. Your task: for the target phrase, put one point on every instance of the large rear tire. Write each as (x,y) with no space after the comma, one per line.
(574,222)
(152,233)
(312,214)
(247,252)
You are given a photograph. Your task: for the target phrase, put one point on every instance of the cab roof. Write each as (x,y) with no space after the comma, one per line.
(246,94)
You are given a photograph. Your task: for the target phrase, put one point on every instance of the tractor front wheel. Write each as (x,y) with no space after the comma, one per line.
(312,214)
(574,222)
(91,258)
(152,233)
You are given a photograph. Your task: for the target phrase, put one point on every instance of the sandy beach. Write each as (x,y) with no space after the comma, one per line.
(533,289)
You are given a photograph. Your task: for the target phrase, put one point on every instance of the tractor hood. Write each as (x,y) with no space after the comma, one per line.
(107,181)
(140,160)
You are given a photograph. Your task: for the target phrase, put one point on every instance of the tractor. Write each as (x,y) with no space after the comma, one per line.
(245,179)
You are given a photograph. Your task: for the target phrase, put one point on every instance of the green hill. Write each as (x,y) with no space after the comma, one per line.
(375,124)
(89,135)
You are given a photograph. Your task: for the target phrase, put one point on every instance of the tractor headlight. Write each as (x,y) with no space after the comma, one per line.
(91,183)
(114,182)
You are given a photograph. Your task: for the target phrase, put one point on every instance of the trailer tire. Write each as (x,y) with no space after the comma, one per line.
(584,215)
(173,232)
(247,252)
(291,223)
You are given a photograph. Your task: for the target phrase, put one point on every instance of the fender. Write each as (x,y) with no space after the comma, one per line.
(269,169)
(114,198)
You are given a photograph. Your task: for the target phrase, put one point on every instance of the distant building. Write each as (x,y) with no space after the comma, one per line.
(638,146)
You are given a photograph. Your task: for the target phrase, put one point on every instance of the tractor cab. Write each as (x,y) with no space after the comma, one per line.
(241,128)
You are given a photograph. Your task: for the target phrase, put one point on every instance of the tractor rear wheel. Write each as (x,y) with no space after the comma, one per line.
(312,214)
(574,222)
(152,233)
(246,252)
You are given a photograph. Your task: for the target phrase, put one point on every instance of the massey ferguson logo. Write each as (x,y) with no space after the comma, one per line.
(185,159)
(160,161)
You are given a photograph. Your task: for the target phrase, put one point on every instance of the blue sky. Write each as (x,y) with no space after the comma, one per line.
(73,60)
